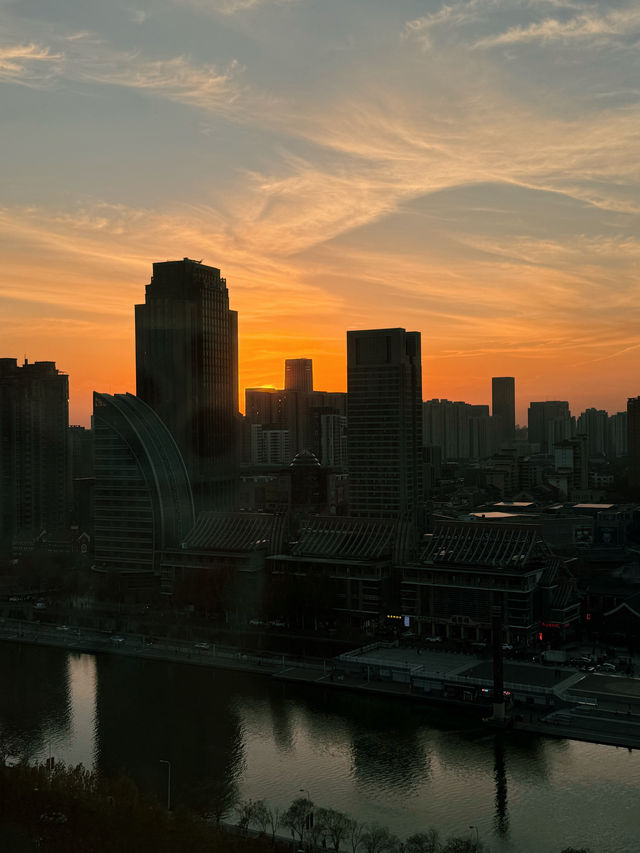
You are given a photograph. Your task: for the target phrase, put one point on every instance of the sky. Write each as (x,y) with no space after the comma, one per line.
(469,170)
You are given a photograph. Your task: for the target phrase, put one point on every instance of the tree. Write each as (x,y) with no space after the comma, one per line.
(261,815)
(335,824)
(378,839)
(355,831)
(275,819)
(423,842)
(245,810)
(298,816)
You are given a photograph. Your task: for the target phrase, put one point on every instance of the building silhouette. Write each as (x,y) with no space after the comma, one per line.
(298,374)
(503,408)
(35,477)
(633,442)
(384,422)
(143,501)
(549,421)
(187,371)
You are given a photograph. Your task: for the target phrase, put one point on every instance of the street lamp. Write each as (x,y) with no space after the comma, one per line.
(477,835)
(168,763)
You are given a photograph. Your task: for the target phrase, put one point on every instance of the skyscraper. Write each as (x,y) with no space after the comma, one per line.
(384,422)
(187,371)
(143,500)
(298,374)
(35,476)
(503,407)
(633,442)
(550,421)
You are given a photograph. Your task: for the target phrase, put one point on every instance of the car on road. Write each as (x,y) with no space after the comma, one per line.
(433,639)
(201,646)
(118,641)
(62,627)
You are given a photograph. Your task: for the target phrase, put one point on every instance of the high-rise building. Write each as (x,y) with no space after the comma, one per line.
(503,408)
(35,472)
(298,374)
(549,422)
(143,500)
(618,434)
(187,371)
(460,430)
(633,441)
(384,423)
(594,423)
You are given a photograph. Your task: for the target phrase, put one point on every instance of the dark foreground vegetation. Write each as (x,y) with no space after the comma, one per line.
(66,809)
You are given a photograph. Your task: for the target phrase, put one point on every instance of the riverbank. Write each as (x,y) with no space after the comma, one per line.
(595,709)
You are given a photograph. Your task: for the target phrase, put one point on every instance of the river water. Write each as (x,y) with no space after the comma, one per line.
(405,765)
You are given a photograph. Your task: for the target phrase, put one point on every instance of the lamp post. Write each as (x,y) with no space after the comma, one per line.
(477,834)
(168,763)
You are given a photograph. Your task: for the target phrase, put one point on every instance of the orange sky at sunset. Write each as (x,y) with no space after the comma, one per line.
(468,170)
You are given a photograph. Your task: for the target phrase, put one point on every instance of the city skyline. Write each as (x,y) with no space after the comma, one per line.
(468,170)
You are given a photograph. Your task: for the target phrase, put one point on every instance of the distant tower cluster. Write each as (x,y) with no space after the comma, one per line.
(187,371)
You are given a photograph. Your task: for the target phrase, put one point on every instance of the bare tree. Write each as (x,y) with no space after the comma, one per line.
(244,810)
(298,817)
(275,819)
(424,842)
(260,815)
(336,825)
(354,834)
(378,839)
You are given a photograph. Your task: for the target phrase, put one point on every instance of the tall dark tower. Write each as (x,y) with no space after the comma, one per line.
(187,371)
(633,442)
(384,423)
(298,374)
(35,471)
(503,407)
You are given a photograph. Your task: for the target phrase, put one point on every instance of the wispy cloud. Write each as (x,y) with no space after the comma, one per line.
(231,7)
(29,64)
(587,26)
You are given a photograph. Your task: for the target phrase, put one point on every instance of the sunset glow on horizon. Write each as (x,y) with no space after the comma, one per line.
(469,170)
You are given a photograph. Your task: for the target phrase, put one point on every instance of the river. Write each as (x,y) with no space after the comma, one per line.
(409,766)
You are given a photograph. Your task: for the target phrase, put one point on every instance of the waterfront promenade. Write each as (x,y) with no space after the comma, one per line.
(592,707)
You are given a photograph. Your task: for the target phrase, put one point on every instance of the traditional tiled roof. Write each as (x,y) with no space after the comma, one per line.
(491,545)
(347,538)
(236,531)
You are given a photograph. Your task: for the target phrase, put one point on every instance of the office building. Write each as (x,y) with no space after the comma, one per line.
(549,422)
(35,479)
(298,375)
(503,408)
(617,427)
(633,442)
(460,430)
(384,423)
(594,423)
(187,371)
(143,500)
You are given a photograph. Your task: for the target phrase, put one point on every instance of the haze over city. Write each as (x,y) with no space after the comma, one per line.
(468,170)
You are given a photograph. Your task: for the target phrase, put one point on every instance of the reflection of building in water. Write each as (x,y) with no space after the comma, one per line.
(35,711)
(147,711)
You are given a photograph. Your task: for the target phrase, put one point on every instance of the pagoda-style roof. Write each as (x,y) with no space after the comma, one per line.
(512,547)
(346,538)
(236,532)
